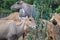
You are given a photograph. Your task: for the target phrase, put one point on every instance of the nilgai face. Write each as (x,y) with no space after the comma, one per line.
(12,30)
(21,5)
(50,30)
(56,21)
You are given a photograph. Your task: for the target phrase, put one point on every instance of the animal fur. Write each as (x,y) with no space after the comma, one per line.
(13,16)
(50,30)
(12,30)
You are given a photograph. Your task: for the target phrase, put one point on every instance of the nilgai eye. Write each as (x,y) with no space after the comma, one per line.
(30,20)
(17,2)
(54,22)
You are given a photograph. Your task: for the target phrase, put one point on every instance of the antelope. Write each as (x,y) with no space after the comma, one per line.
(12,30)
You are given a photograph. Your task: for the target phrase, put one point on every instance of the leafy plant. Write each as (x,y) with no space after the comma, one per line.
(58,9)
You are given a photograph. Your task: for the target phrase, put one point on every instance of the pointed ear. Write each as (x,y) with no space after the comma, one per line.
(31,18)
(26,17)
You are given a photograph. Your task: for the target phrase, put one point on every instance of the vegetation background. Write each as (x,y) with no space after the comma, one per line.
(46,9)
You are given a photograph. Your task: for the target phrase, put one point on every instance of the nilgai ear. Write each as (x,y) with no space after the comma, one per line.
(26,17)
(55,14)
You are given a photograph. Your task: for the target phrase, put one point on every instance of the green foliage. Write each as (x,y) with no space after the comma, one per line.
(56,1)
(58,9)
(29,1)
(5,5)
(45,10)
(29,37)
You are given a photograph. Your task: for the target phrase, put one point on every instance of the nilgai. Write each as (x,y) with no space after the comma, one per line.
(12,30)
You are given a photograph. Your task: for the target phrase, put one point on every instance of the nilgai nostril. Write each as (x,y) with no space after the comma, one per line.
(51,38)
(36,27)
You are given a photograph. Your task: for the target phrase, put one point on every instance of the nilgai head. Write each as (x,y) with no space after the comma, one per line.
(55,19)
(17,5)
(30,23)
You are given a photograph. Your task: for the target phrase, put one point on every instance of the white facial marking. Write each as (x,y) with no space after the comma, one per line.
(25,27)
